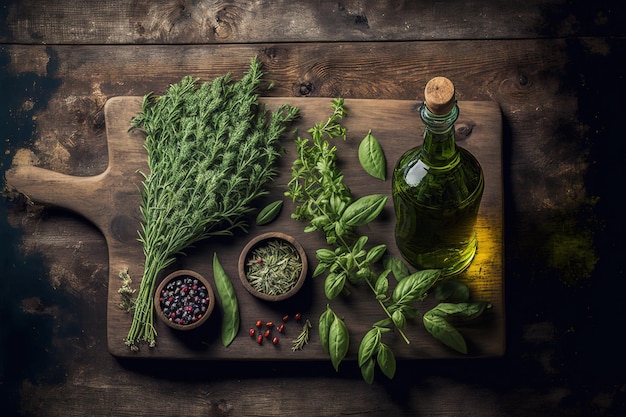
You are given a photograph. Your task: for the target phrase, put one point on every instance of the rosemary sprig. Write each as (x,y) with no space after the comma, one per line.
(303,337)
(211,150)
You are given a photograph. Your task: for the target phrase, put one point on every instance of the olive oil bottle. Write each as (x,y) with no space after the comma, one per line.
(437,188)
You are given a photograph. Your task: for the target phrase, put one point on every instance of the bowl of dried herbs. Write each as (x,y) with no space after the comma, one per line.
(273,266)
(184,300)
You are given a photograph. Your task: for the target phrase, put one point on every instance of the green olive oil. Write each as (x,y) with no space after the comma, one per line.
(437,188)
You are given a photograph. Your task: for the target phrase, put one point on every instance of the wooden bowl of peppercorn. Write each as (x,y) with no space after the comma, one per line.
(273,266)
(184,300)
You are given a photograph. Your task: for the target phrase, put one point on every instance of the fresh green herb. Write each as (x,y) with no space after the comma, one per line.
(269,213)
(372,157)
(127,292)
(324,200)
(228,299)
(274,268)
(437,321)
(303,337)
(211,150)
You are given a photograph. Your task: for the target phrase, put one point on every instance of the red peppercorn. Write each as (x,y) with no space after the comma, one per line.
(251,332)
(281,328)
(269,324)
(259,339)
(267,333)
(275,341)
(259,324)
(298,316)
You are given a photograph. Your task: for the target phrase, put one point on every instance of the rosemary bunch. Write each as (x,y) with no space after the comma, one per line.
(211,150)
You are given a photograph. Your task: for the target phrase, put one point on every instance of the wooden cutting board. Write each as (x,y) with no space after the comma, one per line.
(111,201)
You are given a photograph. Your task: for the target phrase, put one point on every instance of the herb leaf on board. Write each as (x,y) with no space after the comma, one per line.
(228,300)
(372,157)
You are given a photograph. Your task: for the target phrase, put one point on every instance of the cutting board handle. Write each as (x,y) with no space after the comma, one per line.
(56,189)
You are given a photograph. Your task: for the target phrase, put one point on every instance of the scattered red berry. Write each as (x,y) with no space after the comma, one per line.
(281,328)
(275,341)
(269,324)
(298,316)
(251,332)
(259,339)
(285,318)
(259,324)
(267,333)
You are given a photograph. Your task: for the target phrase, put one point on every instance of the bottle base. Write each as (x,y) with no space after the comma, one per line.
(450,262)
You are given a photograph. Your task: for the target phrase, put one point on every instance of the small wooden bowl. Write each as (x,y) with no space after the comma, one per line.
(260,241)
(180,275)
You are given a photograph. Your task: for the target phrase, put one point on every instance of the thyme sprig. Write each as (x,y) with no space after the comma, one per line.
(211,150)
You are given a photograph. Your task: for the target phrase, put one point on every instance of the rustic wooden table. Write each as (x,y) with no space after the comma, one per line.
(552,67)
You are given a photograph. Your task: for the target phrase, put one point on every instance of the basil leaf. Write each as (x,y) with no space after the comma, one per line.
(382,283)
(375,253)
(228,300)
(269,213)
(372,157)
(452,291)
(398,268)
(338,341)
(369,345)
(444,332)
(359,244)
(386,361)
(333,285)
(326,319)
(364,210)
(465,311)
(320,269)
(367,371)
(399,320)
(325,255)
(415,286)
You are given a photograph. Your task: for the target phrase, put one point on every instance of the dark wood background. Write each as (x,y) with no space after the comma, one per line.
(554,68)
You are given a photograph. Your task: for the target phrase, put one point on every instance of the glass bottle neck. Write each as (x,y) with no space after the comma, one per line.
(439,142)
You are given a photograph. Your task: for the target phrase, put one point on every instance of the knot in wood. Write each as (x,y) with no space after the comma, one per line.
(306,89)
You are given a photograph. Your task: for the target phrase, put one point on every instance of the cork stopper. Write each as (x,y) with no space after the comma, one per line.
(439,95)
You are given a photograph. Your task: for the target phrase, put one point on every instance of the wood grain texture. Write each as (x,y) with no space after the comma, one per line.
(553,66)
(205,21)
(111,200)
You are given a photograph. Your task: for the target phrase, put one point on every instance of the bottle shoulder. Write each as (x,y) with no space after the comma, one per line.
(448,185)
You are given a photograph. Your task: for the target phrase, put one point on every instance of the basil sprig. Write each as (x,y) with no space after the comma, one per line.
(322,199)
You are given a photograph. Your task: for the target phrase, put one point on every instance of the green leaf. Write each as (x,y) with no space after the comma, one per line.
(326,319)
(452,291)
(325,255)
(269,213)
(364,210)
(462,311)
(228,300)
(333,285)
(382,283)
(415,286)
(372,157)
(375,253)
(320,269)
(338,341)
(444,332)
(369,345)
(399,269)
(398,319)
(367,370)
(386,361)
